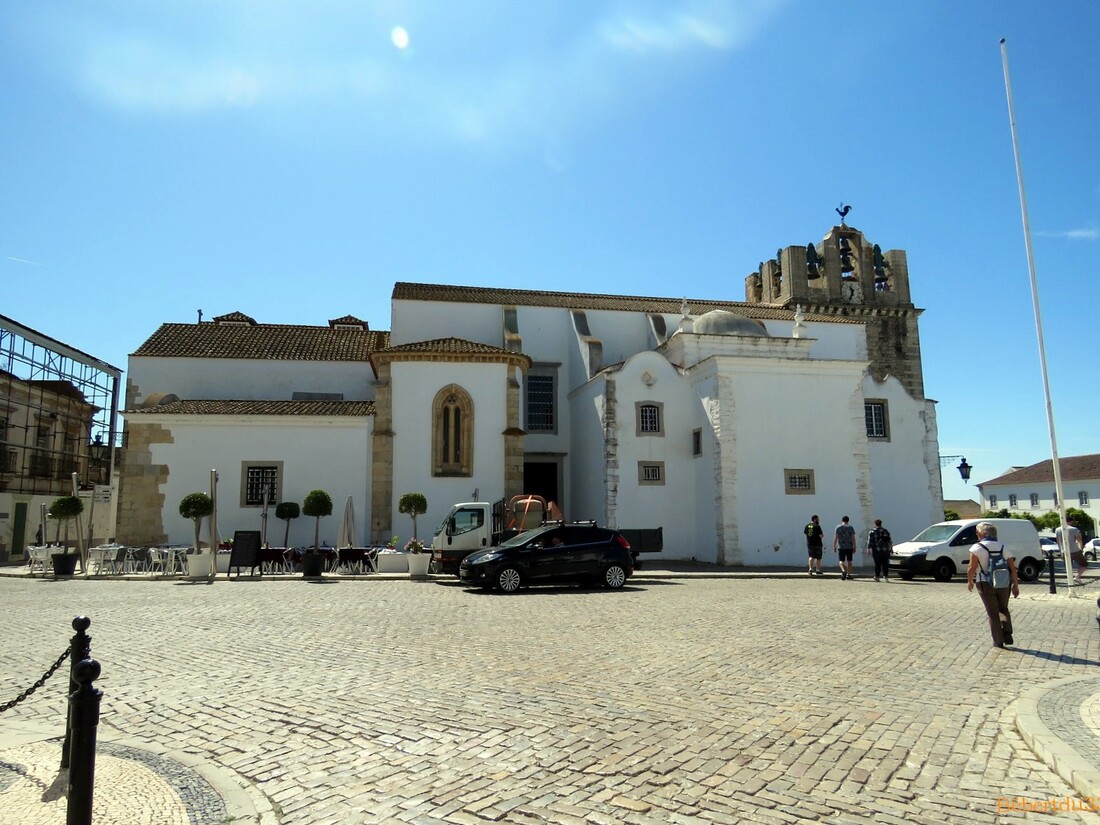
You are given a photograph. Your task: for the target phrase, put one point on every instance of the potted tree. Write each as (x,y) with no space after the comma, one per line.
(287,510)
(415,504)
(63,509)
(197,506)
(317,504)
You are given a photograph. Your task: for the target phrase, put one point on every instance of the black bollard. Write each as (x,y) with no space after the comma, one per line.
(84,713)
(80,647)
(1050,570)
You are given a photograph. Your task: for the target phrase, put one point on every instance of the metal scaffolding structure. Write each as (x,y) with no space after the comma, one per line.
(58,413)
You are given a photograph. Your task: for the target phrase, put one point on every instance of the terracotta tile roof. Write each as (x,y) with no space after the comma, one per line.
(268,342)
(202,407)
(349,320)
(580,300)
(1073,468)
(234,318)
(449,346)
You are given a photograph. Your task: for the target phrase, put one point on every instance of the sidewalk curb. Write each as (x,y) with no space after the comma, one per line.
(1077,771)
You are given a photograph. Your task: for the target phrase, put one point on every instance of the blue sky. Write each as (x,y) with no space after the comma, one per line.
(292,160)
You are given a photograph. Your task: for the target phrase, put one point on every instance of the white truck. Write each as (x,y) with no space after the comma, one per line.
(475,525)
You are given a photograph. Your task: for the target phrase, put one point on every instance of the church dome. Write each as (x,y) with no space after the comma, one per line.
(724,322)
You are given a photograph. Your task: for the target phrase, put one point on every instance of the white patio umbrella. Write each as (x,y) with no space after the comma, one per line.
(346,536)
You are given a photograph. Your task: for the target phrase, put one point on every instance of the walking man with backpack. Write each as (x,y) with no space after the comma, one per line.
(993,568)
(879,545)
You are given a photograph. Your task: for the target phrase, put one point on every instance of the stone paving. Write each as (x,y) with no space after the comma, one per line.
(772,699)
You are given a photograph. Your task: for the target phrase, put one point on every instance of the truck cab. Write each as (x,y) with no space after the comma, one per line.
(476,525)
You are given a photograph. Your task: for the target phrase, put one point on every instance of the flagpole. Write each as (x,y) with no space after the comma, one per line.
(1038,325)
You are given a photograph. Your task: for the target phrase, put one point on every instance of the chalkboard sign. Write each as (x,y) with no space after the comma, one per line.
(246,552)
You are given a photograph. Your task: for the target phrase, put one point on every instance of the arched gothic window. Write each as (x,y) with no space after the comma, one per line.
(452,432)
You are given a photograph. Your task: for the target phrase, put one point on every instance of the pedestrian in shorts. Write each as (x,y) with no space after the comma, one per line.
(844,545)
(815,541)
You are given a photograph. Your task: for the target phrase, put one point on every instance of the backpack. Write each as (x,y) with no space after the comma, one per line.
(999,575)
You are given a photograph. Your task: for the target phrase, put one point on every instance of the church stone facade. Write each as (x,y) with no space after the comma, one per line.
(727,423)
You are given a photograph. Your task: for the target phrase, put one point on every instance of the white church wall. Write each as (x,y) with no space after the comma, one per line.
(648,377)
(426,320)
(799,415)
(245,380)
(316,454)
(585,488)
(900,481)
(845,342)
(704,391)
(413,389)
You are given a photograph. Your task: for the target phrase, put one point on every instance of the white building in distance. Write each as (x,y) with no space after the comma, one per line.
(728,424)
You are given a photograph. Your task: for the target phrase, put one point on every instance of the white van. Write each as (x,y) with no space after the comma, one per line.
(943,549)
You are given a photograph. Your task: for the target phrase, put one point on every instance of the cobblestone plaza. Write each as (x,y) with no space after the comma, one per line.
(739,698)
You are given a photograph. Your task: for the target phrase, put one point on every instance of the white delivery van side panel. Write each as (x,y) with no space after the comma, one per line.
(943,549)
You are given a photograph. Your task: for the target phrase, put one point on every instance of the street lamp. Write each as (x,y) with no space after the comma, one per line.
(100,454)
(963,468)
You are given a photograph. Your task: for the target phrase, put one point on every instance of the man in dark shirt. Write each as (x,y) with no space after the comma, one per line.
(815,539)
(880,544)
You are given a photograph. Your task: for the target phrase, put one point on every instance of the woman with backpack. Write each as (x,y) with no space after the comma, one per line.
(993,567)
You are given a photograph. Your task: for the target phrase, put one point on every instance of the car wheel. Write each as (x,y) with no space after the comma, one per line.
(1028,570)
(943,570)
(614,576)
(509,579)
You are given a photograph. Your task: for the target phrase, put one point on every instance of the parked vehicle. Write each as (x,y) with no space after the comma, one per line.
(556,553)
(943,549)
(1092,549)
(478,525)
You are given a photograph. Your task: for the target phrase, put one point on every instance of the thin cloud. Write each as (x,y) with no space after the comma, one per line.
(1073,234)
(530,72)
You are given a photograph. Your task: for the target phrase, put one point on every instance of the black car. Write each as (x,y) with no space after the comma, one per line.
(560,553)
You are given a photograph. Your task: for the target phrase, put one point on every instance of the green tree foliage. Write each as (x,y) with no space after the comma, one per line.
(196,506)
(413,504)
(1085,522)
(65,508)
(318,504)
(950,515)
(287,510)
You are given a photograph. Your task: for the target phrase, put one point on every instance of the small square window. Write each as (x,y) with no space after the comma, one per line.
(798,482)
(651,473)
(1083,498)
(259,481)
(1034,499)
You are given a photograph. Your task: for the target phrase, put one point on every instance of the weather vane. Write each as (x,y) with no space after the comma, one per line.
(843,211)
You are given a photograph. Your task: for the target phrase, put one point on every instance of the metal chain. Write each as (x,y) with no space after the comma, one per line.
(36,685)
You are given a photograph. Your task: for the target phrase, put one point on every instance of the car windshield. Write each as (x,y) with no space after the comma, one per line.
(937,532)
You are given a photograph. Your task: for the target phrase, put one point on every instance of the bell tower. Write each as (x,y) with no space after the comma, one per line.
(845,274)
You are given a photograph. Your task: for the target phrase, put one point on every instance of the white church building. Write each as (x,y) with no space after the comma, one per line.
(726,423)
